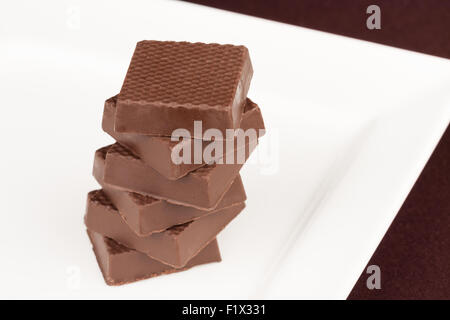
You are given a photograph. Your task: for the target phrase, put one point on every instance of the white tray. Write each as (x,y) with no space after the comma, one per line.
(350,126)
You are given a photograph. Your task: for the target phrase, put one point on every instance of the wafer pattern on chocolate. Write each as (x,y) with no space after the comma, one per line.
(184,73)
(153,215)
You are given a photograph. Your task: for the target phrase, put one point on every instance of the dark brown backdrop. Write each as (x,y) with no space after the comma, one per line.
(414,255)
(418,25)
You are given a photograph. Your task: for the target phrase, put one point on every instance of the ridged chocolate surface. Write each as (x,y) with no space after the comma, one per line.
(170,85)
(188,74)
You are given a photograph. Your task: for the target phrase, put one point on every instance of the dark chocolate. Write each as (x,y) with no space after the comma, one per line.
(202,188)
(120,265)
(156,151)
(146,215)
(169,85)
(175,246)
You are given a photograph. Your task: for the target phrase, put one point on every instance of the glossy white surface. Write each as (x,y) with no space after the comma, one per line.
(350,126)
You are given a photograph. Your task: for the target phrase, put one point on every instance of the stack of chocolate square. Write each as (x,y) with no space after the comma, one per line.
(184,128)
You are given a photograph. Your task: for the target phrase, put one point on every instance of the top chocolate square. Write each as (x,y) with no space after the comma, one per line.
(169,85)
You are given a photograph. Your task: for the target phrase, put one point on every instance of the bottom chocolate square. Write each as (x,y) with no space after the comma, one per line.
(120,265)
(175,246)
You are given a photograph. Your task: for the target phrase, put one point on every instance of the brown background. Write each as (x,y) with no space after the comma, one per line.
(414,255)
(418,25)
